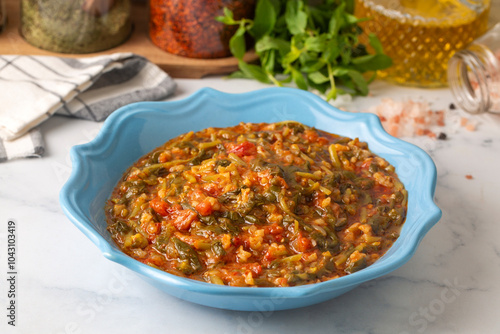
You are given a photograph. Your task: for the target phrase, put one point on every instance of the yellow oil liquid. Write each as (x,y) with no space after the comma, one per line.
(421,35)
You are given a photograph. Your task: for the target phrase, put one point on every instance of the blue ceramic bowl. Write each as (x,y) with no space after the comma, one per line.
(137,129)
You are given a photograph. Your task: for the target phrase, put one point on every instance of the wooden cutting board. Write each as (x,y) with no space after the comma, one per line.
(178,67)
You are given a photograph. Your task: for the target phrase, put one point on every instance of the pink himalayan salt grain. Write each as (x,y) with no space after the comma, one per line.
(410,118)
(468,124)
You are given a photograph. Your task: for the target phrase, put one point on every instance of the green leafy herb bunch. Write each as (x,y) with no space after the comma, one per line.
(314,45)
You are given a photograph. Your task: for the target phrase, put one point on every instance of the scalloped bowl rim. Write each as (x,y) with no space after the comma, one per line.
(105,139)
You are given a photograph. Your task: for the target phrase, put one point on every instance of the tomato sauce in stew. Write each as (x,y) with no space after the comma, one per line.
(258,205)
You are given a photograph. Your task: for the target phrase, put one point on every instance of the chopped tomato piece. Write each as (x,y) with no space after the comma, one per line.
(211,189)
(243,149)
(274,232)
(274,229)
(204,208)
(322,141)
(256,269)
(302,244)
(183,219)
(237,241)
(366,164)
(164,157)
(269,256)
(160,207)
(311,135)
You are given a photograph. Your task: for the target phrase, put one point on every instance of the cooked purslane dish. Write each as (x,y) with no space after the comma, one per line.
(267,205)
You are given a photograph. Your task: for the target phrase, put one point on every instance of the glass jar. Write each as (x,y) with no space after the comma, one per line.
(474,74)
(3,15)
(188,27)
(76,26)
(421,36)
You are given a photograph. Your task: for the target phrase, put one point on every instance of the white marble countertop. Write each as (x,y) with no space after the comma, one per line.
(451,285)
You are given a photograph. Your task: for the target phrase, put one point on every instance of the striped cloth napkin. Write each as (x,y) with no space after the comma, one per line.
(33,88)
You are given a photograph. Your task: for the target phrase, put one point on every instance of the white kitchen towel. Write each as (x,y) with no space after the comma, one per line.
(30,145)
(33,88)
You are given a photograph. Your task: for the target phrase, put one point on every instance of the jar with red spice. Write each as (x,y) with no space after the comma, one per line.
(188,27)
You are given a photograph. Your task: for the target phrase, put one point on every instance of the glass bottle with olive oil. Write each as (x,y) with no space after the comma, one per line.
(421,36)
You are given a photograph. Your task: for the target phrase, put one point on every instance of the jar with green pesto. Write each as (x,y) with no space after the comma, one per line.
(76,26)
